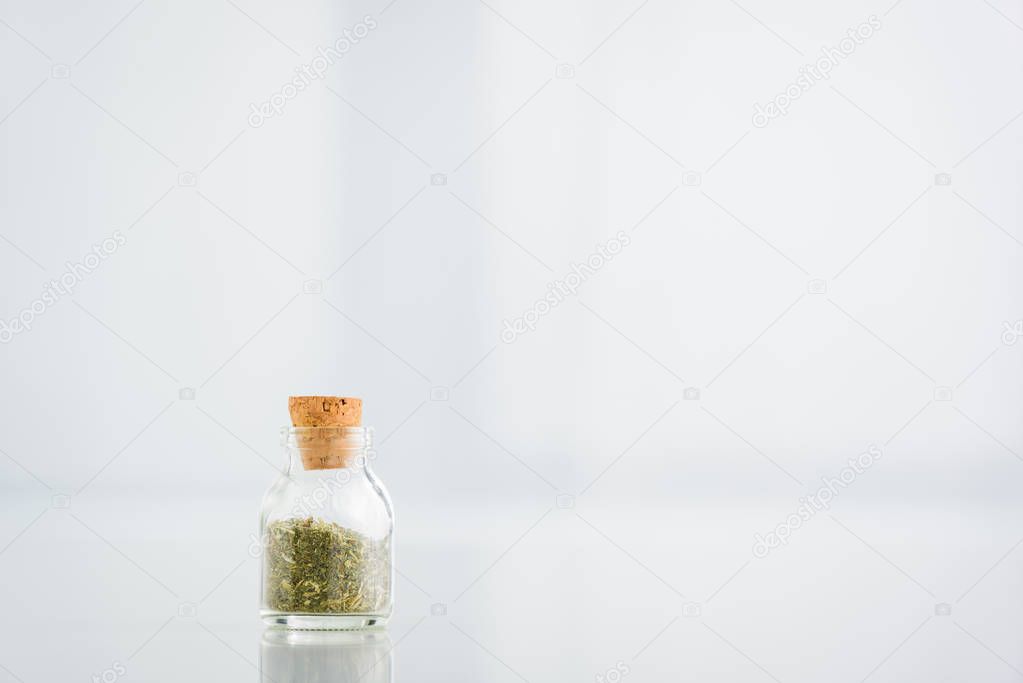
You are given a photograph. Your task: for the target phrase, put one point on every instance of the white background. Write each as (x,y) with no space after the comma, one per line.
(812,283)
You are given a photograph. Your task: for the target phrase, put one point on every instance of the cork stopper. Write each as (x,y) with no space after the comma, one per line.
(330,449)
(325,411)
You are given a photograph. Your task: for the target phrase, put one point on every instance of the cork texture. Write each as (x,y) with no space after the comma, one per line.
(325,411)
(328,452)
(327,459)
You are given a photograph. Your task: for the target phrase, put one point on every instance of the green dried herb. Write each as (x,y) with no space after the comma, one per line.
(320,567)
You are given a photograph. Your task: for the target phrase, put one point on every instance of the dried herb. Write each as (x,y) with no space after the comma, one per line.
(319,567)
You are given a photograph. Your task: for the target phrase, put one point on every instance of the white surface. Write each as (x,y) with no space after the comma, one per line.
(583,590)
(148,402)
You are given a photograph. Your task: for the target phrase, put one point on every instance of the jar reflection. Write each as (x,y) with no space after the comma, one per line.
(325,657)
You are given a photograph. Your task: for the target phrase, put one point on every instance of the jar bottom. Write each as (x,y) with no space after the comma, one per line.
(324,622)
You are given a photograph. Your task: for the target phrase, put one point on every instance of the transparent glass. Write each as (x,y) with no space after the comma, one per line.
(319,657)
(326,527)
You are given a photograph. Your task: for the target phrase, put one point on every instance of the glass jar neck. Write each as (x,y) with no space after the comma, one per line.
(319,449)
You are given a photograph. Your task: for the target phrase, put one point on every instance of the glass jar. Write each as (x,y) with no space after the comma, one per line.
(319,657)
(326,527)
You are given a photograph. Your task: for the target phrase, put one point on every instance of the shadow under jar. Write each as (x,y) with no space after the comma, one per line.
(326,526)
